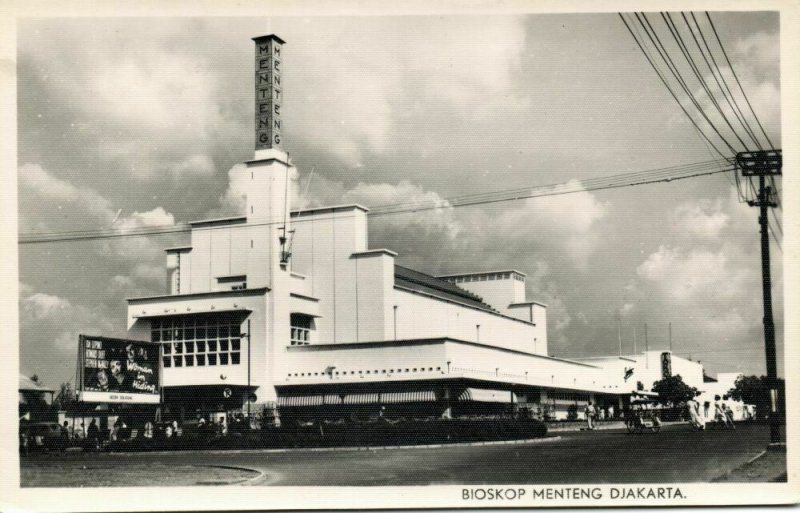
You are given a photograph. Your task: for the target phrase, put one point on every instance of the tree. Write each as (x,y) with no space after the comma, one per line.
(755,390)
(66,396)
(673,391)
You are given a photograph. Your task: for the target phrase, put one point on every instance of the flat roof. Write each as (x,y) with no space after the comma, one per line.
(220,220)
(177,248)
(216,293)
(458,275)
(352,206)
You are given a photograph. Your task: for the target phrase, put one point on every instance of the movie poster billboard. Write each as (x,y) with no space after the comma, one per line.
(119,371)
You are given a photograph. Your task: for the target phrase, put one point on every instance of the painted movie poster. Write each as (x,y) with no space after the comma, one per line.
(119,370)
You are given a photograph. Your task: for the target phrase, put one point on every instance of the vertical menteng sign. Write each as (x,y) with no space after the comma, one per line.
(269,93)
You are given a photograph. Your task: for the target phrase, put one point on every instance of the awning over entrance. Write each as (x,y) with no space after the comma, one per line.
(376,398)
(418,396)
(301,400)
(485,396)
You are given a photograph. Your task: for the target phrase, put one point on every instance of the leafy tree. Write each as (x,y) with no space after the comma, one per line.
(755,390)
(673,391)
(66,396)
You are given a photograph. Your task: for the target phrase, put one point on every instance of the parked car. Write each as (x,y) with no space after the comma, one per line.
(42,436)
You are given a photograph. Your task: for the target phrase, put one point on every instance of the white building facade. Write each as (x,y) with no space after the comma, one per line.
(296,310)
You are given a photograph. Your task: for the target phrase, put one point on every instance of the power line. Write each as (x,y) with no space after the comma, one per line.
(662,51)
(735,107)
(663,79)
(664,175)
(735,76)
(696,70)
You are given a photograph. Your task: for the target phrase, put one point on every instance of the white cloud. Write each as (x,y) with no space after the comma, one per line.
(357,96)
(156,217)
(121,282)
(193,166)
(152,273)
(703,218)
(44,306)
(568,220)
(434,214)
(49,318)
(42,185)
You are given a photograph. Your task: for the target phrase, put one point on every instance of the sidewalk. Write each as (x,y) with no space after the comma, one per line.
(767,467)
(564,427)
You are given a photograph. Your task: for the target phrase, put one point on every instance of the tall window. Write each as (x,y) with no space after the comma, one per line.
(301,327)
(198,340)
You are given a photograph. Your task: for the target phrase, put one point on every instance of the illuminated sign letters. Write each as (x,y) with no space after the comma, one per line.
(269,93)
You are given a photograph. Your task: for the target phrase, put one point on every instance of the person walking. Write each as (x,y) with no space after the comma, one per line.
(590,413)
(94,434)
(693,409)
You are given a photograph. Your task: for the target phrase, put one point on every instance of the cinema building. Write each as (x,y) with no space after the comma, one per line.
(296,310)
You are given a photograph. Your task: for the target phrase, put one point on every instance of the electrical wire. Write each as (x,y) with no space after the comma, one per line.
(661,49)
(735,76)
(664,81)
(673,29)
(729,97)
(624,180)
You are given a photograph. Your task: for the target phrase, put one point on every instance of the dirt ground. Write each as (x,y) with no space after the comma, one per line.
(768,468)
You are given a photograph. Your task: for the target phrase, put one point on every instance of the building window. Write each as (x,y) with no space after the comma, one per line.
(198,340)
(300,330)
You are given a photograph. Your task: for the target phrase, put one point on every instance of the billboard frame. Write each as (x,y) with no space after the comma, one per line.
(117,397)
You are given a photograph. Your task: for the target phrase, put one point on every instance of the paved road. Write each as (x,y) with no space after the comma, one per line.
(674,455)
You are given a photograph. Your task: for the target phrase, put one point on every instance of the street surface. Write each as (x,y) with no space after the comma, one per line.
(675,455)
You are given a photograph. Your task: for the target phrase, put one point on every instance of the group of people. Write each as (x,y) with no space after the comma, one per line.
(593,413)
(722,414)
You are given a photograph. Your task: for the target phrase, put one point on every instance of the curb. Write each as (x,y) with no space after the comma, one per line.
(244,481)
(339,449)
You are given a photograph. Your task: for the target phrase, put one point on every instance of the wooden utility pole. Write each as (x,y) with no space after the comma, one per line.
(763,164)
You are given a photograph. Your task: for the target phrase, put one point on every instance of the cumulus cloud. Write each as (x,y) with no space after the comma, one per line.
(359,97)
(703,218)
(713,294)
(568,221)
(195,165)
(426,210)
(156,217)
(44,306)
(38,185)
(48,318)
(153,108)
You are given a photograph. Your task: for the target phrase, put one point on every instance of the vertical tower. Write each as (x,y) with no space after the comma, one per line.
(268,207)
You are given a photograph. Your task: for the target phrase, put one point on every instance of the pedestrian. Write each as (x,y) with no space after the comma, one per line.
(693,409)
(94,434)
(590,413)
(728,416)
(148,430)
(175,430)
(80,432)
(611,412)
(720,418)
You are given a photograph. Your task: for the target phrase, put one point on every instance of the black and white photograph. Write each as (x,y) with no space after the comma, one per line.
(479,258)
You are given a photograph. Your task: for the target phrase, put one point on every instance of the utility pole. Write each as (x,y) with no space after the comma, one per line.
(619,335)
(763,164)
(646,348)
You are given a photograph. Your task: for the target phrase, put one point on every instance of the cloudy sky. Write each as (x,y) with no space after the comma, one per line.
(140,122)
